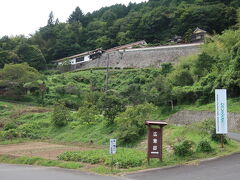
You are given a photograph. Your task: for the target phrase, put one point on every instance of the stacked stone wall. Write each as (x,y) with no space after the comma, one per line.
(143,57)
(189,117)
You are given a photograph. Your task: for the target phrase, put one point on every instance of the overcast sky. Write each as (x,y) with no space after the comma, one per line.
(27,16)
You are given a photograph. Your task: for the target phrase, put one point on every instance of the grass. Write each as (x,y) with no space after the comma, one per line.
(169,159)
(124,158)
(37,126)
(233,106)
(132,159)
(39,161)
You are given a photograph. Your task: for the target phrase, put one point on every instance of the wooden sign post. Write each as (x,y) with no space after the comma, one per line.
(155,137)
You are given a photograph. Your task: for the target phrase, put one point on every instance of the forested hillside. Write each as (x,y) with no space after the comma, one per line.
(155,21)
(119,104)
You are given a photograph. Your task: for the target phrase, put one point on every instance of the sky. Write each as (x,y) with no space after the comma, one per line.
(27,16)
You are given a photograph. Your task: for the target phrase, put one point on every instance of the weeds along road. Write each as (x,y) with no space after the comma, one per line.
(226,168)
(23,172)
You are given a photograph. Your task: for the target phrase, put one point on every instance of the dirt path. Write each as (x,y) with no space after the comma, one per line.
(40,149)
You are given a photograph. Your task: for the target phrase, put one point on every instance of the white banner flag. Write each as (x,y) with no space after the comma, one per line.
(221,111)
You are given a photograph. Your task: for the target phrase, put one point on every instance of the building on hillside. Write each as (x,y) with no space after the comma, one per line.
(198,35)
(133,55)
(80,58)
(91,55)
(77,61)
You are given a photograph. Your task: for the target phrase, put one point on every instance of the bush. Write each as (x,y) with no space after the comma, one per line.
(184,149)
(204,146)
(71,89)
(10,134)
(134,94)
(88,115)
(124,158)
(9,125)
(207,127)
(111,106)
(60,116)
(60,90)
(71,104)
(217,137)
(29,131)
(130,124)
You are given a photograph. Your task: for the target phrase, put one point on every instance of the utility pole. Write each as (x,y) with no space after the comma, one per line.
(107,73)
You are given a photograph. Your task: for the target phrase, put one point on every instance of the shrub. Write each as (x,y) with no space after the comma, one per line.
(29,131)
(124,158)
(111,106)
(71,89)
(71,104)
(204,146)
(184,148)
(10,134)
(217,137)
(88,115)
(207,127)
(9,125)
(134,94)
(130,124)
(60,116)
(60,90)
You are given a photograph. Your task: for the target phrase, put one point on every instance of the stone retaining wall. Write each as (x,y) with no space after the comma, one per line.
(142,57)
(188,117)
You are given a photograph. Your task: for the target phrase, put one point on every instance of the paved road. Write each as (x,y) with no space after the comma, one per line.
(235,136)
(22,172)
(226,168)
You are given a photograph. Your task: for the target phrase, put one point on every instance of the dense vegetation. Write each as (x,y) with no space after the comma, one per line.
(181,143)
(80,107)
(155,21)
(90,106)
(132,95)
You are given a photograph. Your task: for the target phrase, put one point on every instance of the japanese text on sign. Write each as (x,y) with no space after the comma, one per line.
(113,146)
(221,111)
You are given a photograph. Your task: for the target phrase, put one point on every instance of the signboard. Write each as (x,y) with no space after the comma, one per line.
(221,111)
(113,146)
(154,143)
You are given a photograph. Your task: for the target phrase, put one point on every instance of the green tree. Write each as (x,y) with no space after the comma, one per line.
(76,16)
(50,19)
(134,94)
(7,57)
(14,76)
(32,55)
(130,124)
(111,106)
(60,116)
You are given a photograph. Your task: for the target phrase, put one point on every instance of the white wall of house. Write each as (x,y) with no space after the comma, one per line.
(87,58)
(77,60)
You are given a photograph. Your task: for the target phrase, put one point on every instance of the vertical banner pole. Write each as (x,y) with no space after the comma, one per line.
(148,154)
(222,141)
